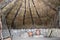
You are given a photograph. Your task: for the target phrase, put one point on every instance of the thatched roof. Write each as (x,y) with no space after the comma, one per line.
(31,13)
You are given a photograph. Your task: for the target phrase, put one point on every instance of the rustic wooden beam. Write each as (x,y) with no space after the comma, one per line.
(12,24)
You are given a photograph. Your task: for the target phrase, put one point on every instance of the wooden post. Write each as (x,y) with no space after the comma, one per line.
(59,15)
(5,31)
